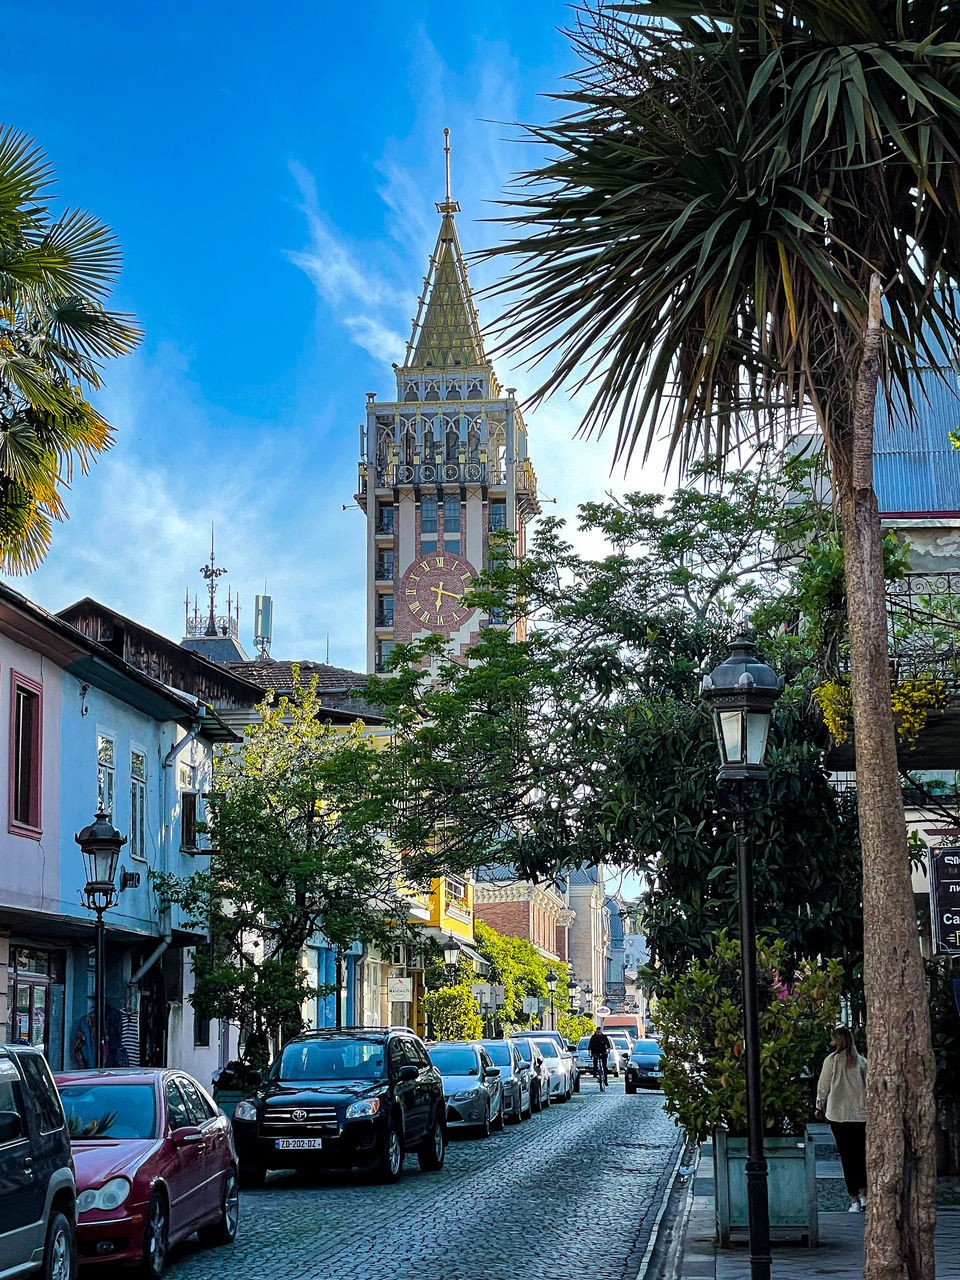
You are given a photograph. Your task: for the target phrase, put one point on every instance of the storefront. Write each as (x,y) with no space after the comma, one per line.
(35,1000)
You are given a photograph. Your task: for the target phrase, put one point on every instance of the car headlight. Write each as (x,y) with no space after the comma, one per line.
(245,1110)
(465,1095)
(110,1196)
(365,1107)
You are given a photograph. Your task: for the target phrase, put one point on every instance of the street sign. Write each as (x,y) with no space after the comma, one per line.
(945,899)
(399,990)
(481,992)
(531,1004)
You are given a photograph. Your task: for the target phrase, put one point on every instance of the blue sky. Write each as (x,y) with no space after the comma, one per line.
(271,173)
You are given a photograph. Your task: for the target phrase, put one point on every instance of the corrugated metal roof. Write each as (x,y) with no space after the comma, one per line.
(916,468)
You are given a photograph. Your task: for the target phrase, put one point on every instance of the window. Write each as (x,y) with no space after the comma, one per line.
(138,804)
(385,611)
(385,565)
(10,1096)
(43,1092)
(428,515)
(188,820)
(201,1031)
(451,516)
(452,545)
(25,753)
(385,520)
(498,515)
(106,771)
(384,650)
(176,1107)
(427,545)
(197,1108)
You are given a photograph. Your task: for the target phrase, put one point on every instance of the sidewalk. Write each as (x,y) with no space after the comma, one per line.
(838,1257)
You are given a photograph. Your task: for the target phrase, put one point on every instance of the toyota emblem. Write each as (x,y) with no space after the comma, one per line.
(299,1114)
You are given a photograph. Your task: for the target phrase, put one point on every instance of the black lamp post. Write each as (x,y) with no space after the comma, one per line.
(741,693)
(551,987)
(100,843)
(451,956)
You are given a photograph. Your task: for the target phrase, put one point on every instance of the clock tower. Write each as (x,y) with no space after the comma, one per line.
(443,464)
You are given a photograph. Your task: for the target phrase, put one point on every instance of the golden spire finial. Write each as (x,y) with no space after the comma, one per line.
(446,152)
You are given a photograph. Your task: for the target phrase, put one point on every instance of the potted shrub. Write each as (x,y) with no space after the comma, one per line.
(699,1018)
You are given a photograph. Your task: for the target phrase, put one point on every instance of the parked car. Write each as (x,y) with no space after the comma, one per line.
(584,1058)
(471,1085)
(38,1196)
(644,1067)
(566,1050)
(357,1098)
(155,1163)
(560,1066)
(515,1074)
(622,1045)
(539,1072)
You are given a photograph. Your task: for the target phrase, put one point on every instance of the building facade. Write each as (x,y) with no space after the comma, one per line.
(536,912)
(88,730)
(443,465)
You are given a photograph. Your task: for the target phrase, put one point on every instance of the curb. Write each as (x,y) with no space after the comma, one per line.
(674,1250)
(658,1221)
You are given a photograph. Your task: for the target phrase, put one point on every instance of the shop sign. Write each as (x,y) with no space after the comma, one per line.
(399,990)
(945,899)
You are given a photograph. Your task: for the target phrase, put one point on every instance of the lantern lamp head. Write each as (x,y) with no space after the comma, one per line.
(741,692)
(100,843)
(552,981)
(451,950)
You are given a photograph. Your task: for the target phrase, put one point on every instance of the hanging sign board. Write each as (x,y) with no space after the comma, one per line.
(945,899)
(531,1004)
(399,990)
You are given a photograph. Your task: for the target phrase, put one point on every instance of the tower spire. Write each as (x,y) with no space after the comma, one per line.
(446,153)
(211,573)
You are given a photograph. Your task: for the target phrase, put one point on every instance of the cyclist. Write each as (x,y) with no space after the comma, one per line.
(599,1047)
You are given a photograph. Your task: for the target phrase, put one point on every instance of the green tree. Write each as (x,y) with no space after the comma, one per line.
(517,966)
(454,1013)
(751,212)
(55,334)
(296,826)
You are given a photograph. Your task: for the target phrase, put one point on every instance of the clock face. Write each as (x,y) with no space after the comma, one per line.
(432,589)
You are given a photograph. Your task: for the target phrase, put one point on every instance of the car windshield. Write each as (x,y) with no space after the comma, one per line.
(524,1050)
(330,1060)
(621,1040)
(454,1061)
(584,1041)
(646,1046)
(110,1111)
(548,1048)
(499,1051)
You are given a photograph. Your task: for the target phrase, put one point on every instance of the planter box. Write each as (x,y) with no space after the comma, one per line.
(791,1186)
(227,1099)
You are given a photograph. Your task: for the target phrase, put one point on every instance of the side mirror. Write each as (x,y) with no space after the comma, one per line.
(185,1135)
(11,1126)
(573,1048)
(409,1072)
(491,1073)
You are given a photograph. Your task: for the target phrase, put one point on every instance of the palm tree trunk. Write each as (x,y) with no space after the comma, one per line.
(900,1108)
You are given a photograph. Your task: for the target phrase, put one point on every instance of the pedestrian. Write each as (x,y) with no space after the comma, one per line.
(599,1047)
(842,1098)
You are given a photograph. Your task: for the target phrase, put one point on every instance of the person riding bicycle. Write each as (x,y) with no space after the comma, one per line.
(599,1047)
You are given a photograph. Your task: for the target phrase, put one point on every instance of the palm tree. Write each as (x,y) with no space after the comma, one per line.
(54,336)
(751,212)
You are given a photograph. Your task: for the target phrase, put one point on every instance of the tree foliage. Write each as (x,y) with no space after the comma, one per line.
(55,334)
(517,966)
(699,1023)
(298,854)
(454,1013)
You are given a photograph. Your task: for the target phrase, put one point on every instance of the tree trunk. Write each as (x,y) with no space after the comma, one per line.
(900,1107)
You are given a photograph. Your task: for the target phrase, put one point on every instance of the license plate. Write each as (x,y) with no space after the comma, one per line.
(299,1144)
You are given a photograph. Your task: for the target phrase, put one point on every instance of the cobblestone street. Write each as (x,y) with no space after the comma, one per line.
(579,1181)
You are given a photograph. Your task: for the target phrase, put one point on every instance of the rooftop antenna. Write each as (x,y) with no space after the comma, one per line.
(446,153)
(328,648)
(263,625)
(211,574)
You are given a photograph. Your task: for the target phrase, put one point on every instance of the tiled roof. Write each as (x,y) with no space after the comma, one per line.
(279,675)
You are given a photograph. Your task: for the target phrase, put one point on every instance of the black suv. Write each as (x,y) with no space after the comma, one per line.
(38,1193)
(361,1097)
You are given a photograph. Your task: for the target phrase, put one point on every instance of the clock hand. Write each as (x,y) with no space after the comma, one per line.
(442,591)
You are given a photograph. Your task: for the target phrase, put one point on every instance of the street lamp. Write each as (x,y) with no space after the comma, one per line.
(451,956)
(100,843)
(551,987)
(741,693)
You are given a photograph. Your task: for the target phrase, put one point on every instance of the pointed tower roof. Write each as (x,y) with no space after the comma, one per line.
(446,333)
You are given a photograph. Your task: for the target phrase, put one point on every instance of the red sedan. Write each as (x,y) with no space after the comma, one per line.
(155,1162)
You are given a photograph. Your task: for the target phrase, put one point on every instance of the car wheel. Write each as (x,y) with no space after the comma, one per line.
(535,1104)
(251,1176)
(545,1097)
(390,1164)
(497,1124)
(576,1083)
(629,1087)
(431,1155)
(155,1234)
(224,1230)
(483,1129)
(60,1248)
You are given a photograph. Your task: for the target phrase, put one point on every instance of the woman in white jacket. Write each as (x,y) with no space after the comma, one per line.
(842,1096)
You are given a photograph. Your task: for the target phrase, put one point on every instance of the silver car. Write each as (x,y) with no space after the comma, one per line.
(622,1045)
(472,1087)
(559,1063)
(515,1074)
